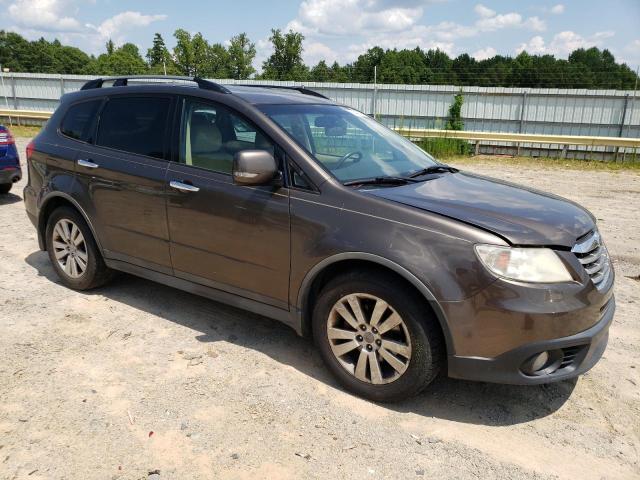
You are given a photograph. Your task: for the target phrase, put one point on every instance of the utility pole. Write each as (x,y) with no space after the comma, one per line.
(374,99)
(164,65)
(633,100)
(6,98)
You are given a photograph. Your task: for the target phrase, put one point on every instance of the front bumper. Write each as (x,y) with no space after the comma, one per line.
(10,174)
(578,354)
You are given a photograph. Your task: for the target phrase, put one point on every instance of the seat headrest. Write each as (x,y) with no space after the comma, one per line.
(205,135)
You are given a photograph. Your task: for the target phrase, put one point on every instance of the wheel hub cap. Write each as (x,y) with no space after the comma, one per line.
(70,248)
(369,338)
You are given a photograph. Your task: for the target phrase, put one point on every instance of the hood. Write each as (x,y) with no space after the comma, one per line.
(521,215)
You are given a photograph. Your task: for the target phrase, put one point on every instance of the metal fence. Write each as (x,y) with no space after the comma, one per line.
(602,113)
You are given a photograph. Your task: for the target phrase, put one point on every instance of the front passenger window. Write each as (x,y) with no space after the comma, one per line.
(212,134)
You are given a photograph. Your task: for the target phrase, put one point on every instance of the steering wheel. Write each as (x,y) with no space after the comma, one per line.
(355,157)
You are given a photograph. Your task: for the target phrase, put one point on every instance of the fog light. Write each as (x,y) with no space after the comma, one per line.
(539,361)
(535,363)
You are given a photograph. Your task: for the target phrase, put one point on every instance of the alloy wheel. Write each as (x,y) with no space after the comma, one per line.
(70,248)
(369,338)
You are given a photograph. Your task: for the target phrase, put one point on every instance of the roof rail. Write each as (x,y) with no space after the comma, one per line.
(123,82)
(302,89)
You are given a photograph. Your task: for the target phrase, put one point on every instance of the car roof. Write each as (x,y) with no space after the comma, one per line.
(273,95)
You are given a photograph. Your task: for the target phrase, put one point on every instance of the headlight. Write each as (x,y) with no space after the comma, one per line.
(536,265)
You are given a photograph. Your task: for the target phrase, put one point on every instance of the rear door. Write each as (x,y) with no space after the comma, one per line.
(125,173)
(229,237)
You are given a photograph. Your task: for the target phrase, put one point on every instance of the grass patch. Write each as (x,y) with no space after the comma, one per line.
(540,162)
(23,130)
(446,147)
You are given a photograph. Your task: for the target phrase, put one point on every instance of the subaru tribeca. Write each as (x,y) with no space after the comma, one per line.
(281,202)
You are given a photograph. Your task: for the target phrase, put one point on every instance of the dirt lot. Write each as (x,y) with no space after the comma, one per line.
(136,377)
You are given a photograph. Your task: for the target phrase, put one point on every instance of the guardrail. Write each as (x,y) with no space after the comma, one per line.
(26,114)
(522,137)
(517,138)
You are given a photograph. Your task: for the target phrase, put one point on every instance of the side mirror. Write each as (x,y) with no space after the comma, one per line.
(254,167)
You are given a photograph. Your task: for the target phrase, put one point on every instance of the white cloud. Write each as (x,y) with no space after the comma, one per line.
(535,46)
(348,17)
(499,21)
(116,26)
(483,11)
(485,53)
(392,24)
(535,24)
(316,51)
(57,19)
(43,15)
(563,43)
(632,53)
(557,9)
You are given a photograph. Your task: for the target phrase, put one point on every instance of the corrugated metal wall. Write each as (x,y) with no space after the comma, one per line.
(494,109)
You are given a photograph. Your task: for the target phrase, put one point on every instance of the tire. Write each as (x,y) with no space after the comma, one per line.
(90,270)
(418,330)
(5,188)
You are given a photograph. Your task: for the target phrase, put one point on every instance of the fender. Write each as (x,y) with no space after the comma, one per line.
(303,292)
(70,199)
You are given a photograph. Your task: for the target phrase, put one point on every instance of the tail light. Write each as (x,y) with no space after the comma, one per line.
(29,149)
(6,138)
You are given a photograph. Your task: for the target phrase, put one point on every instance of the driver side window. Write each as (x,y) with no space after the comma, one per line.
(212,134)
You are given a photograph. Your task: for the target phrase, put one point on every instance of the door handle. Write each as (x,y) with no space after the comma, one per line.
(87,163)
(183,187)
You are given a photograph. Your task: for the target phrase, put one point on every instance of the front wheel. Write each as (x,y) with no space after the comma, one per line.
(73,251)
(377,337)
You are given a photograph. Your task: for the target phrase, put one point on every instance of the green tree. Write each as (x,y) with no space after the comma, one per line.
(285,63)
(71,60)
(159,58)
(363,67)
(125,60)
(183,52)
(110,47)
(321,72)
(219,62)
(241,54)
(454,121)
(14,52)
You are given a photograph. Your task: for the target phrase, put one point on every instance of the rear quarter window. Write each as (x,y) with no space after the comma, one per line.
(135,125)
(79,120)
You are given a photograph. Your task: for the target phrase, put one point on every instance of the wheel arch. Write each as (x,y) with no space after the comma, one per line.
(51,203)
(328,268)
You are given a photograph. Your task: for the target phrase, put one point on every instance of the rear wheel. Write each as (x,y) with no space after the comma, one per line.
(5,188)
(73,251)
(379,340)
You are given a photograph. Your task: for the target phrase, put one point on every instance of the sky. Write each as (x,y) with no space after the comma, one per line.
(342,29)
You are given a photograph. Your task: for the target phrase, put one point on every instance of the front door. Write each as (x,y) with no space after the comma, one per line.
(228,237)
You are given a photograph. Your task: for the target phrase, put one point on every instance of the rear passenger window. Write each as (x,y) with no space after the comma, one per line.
(135,125)
(79,120)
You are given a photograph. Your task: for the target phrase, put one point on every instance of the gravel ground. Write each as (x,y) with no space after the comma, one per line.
(137,380)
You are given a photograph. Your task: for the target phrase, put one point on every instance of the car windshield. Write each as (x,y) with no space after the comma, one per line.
(349,144)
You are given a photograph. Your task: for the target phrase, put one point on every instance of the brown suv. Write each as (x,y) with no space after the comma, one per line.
(281,202)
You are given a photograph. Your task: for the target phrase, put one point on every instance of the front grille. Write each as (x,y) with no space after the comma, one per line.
(594,257)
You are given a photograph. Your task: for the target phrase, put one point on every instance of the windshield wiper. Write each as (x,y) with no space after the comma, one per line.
(434,169)
(380,181)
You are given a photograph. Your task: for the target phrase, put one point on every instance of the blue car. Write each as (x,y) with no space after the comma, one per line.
(10,171)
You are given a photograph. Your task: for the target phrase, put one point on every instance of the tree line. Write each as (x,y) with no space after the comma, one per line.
(194,55)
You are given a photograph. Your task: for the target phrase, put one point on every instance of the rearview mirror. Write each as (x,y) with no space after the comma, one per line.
(254,167)
(333,125)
